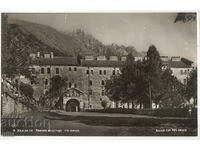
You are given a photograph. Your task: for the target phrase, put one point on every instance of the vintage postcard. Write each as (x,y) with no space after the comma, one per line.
(99,74)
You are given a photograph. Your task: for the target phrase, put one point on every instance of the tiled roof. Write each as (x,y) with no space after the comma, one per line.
(102,63)
(175,64)
(56,61)
(98,63)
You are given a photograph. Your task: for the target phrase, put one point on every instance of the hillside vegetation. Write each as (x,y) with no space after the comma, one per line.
(71,43)
(66,44)
(92,44)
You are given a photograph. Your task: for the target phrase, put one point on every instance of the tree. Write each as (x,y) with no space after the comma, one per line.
(26,89)
(142,87)
(58,86)
(79,57)
(122,87)
(153,71)
(185,17)
(113,89)
(138,80)
(191,87)
(104,104)
(15,58)
(128,80)
(172,92)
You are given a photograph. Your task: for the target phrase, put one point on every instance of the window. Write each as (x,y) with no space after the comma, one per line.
(185,81)
(90,92)
(104,72)
(33,70)
(48,70)
(70,84)
(31,82)
(46,82)
(75,85)
(91,71)
(70,69)
(100,72)
(57,70)
(90,106)
(117,71)
(87,71)
(75,68)
(102,92)
(185,71)
(137,72)
(113,72)
(90,82)
(42,70)
(102,82)
(181,71)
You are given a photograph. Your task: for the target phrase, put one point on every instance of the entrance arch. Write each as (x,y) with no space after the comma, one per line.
(72,105)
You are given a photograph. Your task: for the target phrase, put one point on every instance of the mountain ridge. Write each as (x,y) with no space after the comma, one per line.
(72,43)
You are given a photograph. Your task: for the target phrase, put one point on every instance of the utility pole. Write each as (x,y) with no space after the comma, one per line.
(88,87)
(18,86)
(150,100)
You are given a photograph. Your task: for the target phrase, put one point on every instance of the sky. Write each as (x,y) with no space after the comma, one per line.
(130,29)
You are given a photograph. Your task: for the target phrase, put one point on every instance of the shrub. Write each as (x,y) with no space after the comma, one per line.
(104,104)
(26,89)
(162,112)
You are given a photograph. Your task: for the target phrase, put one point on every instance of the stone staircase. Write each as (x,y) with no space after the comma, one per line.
(10,96)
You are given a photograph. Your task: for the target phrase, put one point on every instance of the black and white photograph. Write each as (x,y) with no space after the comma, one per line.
(99,74)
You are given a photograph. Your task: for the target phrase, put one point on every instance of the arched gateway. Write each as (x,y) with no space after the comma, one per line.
(72,100)
(73,105)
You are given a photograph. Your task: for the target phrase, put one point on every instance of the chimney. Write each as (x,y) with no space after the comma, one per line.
(176,58)
(47,55)
(51,55)
(123,58)
(164,58)
(138,58)
(113,58)
(89,57)
(101,57)
(32,55)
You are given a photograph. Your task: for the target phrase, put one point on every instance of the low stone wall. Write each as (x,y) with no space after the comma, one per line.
(161,112)
(9,106)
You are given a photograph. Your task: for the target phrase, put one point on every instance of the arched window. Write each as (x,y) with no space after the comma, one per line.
(46,81)
(113,72)
(102,82)
(104,72)
(102,93)
(181,72)
(100,72)
(70,84)
(185,71)
(87,71)
(91,71)
(90,82)
(185,81)
(48,70)
(42,70)
(33,70)
(57,70)
(75,85)
(137,72)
